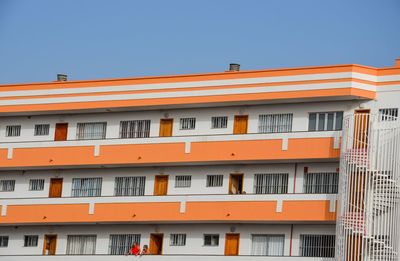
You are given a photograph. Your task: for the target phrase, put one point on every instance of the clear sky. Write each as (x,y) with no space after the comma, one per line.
(91,39)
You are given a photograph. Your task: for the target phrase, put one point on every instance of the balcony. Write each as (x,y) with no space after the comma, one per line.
(177,208)
(173,150)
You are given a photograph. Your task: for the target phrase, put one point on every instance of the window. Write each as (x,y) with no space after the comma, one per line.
(86,187)
(7,185)
(13,130)
(91,130)
(317,245)
(214,180)
(267,245)
(36,184)
(42,129)
(388,114)
(211,240)
(187,123)
(121,244)
(177,240)
(273,123)
(134,129)
(129,186)
(325,121)
(3,241)
(183,181)
(276,183)
(31,241)
(323,183)
(220,122)
(81,244)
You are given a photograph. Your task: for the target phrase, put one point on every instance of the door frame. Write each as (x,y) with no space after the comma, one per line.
(62,181)
(45,244)
(226,243)
(230,182)
(158,235)
(161,126)
(155,187)
(235,121)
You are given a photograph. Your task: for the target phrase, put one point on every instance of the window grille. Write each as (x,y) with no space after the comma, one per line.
(91,130)
(267,245)
(317,245)
(36,184)
(42,129)
(183,181)
(187,123)
(129,186)
(3,241)
(86,187)
(273,123)
(7,185)
(177,240)
(13,130)
(31,241)
(134,129)
(325,121)
(220,122)
(121,244)
(388,114)
(81,244)
(211,240)
(275,183)
(215,180)
(321,183)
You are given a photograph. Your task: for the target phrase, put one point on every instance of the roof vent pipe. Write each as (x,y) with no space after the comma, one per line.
(62,77)
(234,67)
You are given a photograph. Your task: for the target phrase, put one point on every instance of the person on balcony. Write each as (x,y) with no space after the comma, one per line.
(135,249)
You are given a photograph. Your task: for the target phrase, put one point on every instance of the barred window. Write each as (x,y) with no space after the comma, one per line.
(86,187)
(183,181)
(13,130)
(177,240)
(3,241)
(220,122)
(275,183)
(7,185)
(267,245)
(187,123)
(323,183)
(325,121)
(121,244)
(134,129)
(91,130)
(273,123)
(36,184)
(42,129)
(211,239)
(317,245)
(215,180)
(31,240)
(129,186)
(81,244)
(388,114)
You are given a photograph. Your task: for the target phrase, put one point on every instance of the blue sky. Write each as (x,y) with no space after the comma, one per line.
(91,39)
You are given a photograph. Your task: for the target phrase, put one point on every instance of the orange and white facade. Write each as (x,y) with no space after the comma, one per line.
(241,165)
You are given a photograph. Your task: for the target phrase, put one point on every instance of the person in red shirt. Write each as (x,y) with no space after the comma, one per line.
(135,250)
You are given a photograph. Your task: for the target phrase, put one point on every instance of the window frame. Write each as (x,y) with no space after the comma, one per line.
(31,239)
(187,180)
(13,133)
(2,186)
(40,184)
(220,179)
(38,129)
(326,120)
(3,239)
(219,122)
(189,125)
(211,240)
(177,241)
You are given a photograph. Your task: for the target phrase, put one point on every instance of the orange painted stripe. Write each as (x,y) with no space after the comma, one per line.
(340,92)
(317,211)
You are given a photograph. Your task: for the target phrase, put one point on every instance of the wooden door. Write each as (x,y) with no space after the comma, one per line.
(55,188)
(61,131)
(232,244)
(161,185)
(49,245)
(156,244)
(166,127)
(236,184)
(361,126)
(240,124)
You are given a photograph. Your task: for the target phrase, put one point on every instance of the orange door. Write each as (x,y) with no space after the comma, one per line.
(55,188)
(166,127)
(156,244)
(240,124)
(232,244)
(361,126)
(49,245)
(61,131)
(161,185)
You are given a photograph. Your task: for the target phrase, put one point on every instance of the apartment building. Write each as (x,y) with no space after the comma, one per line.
(278,164)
